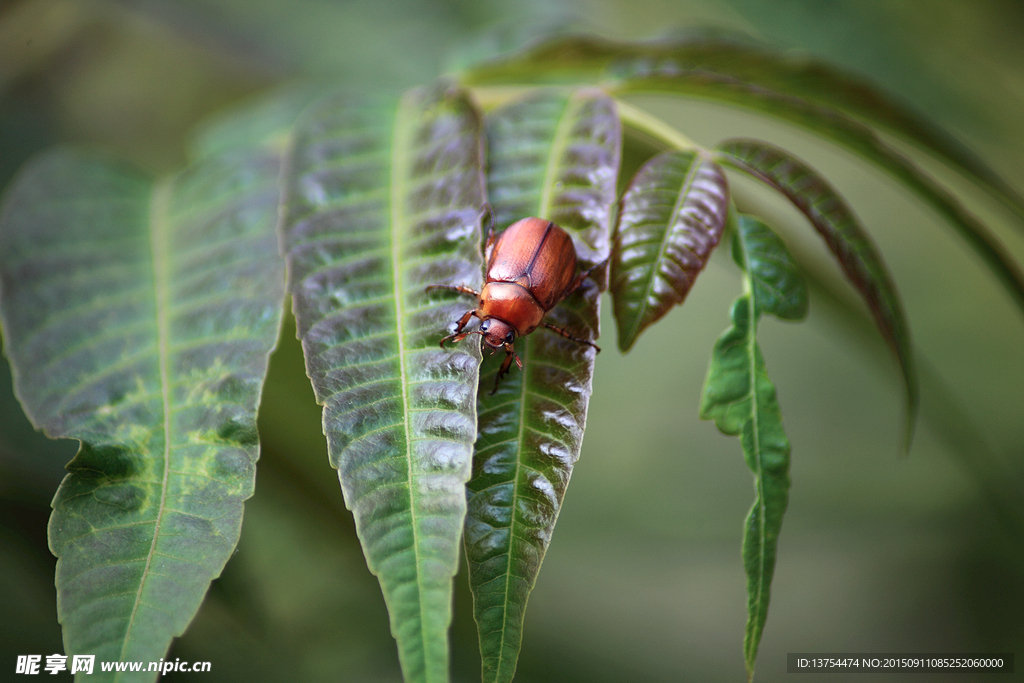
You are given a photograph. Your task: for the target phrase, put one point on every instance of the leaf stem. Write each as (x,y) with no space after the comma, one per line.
(645,122)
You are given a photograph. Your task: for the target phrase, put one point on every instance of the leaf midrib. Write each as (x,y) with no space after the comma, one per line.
(755,431)
(159,202)
(401,139)
(556,150)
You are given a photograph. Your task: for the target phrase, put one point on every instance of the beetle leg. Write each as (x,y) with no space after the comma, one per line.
(458,335)
(510,350)
(462,289)
(574,338)
(583,276)
(503,370)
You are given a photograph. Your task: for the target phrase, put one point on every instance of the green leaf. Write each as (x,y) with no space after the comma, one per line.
(384,199)
(740,398)
(845,237)
(861,140)
(138,318)
(671,218)
(555,156)
(798,95)
(730,67)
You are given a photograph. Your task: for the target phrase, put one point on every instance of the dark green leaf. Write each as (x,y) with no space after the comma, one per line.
(138,318)
(740,398)
(719,67)
(670,219)
(554,156)
(383,200)
(845,237)
(776,285)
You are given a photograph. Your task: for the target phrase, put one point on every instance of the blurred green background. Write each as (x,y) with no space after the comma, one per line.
(643,581)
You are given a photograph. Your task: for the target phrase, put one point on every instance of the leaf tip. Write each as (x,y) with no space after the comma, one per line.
(626,339)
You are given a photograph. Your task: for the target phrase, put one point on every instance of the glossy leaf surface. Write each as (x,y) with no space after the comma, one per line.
(555,156)
(671,218)
(846,238)
(138,318)
(383,200)
(735,70)
(741,400)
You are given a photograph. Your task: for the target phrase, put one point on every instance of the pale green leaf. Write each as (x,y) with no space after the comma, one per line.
(138,318)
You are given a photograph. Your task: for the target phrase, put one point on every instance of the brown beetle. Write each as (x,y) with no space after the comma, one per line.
(530,268)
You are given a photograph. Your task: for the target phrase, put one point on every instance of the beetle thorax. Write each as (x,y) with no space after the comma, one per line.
(512,304)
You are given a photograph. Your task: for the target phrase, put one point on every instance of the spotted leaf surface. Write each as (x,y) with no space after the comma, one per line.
(138,318)
(741,400)
(554,156)
(384,199)
(671,218)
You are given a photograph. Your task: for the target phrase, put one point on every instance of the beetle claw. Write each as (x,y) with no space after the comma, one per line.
(456,338)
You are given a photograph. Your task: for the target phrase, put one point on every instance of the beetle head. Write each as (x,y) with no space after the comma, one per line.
(497,333)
